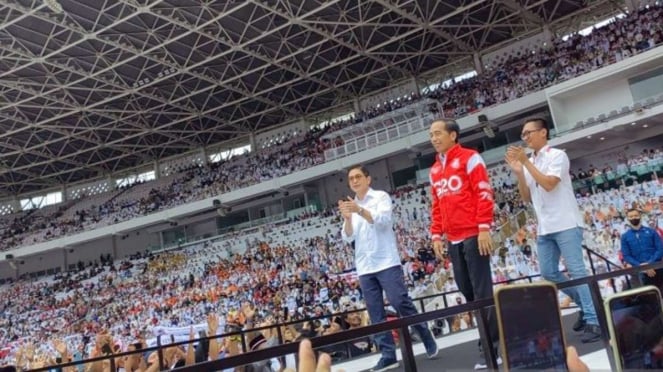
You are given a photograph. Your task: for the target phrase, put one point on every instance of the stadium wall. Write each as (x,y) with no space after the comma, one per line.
(613,152)
(600,91)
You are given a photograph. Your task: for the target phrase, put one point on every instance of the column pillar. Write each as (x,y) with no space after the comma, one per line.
(547,36)
(356,104)
(65,261)
(252,142)
(632,5)
(114,245)
(14,265)
(157,169)
(16,204)
(205,154)
(478,64)
(415,83)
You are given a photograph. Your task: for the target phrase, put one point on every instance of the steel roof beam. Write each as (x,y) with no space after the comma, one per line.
(526,14)
(423,25)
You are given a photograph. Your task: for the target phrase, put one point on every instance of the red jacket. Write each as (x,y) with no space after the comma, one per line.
(462,195)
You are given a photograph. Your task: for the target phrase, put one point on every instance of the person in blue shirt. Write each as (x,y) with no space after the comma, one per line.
(642,245)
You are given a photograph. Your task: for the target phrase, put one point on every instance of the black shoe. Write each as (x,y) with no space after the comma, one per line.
(580,323)
(592,333)
(385,365)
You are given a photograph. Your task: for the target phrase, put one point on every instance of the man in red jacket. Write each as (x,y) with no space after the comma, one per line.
(463,212)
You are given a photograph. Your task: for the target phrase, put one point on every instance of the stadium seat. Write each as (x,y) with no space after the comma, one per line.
(637,106)
(650,102)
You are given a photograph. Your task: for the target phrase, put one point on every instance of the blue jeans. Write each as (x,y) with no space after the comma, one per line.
(567,244)
(391,281)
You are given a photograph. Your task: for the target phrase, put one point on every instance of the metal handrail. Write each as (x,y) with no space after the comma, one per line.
(242,333)
(401,324)
(454,310)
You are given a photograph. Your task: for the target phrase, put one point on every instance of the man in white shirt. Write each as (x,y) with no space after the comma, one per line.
(544,180)
(367,221)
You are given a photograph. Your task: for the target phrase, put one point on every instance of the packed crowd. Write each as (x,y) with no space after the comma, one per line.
(564,59)
(517,76)
(286,276)
(166,291)
(647,160)
(191,183)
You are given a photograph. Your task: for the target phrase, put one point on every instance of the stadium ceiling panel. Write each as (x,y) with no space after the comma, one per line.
(88,88)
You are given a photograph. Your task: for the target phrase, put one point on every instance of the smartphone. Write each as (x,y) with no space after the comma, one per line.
(635,322)
(531,335)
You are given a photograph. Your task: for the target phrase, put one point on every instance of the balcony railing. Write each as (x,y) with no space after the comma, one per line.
(378,137)
(415,109)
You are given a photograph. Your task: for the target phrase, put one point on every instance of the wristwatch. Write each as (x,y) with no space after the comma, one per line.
(360,211)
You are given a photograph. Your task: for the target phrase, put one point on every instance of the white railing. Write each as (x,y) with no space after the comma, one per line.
(411,110)
(378,137)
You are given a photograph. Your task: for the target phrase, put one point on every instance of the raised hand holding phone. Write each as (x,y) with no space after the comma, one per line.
(531,335)
(635,323)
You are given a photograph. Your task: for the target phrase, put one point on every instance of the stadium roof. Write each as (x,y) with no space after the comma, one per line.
(90,88)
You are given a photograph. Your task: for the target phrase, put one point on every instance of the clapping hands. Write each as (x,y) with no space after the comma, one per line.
(348,207)
(515,157)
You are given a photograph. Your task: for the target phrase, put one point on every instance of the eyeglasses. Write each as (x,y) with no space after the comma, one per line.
(526,133)
(357,177)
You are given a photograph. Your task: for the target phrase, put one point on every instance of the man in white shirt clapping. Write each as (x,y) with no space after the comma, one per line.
(368,222)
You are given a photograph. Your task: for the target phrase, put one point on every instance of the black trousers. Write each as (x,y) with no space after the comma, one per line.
(473,277)
(656,281)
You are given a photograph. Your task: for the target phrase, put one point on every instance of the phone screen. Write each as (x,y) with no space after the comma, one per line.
(532,328)
(638,325)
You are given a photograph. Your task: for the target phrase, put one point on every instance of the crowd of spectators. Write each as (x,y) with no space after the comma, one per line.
(642,163)
(298,277)
(515,77)
(133,298)
(566,58)
(284,277)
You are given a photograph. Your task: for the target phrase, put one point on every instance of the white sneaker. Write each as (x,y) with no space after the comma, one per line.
(433,354)
(481,364)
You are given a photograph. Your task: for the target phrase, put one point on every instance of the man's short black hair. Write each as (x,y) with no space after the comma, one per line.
(450,125)
(541,122)
(361,168)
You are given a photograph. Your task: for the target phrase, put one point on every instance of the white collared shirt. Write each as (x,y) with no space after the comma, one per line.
(375,244)
(556,210)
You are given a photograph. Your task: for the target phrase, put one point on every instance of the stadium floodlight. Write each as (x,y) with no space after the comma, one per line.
(54,5)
